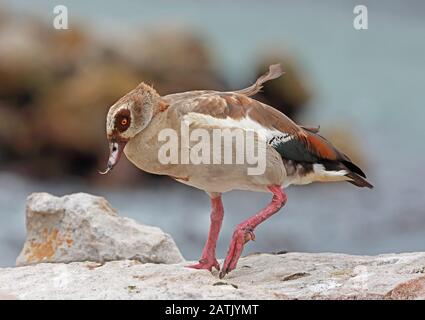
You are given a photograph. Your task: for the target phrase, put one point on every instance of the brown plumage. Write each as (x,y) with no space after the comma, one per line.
(238,105)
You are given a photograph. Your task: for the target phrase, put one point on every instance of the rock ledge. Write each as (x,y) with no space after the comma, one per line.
(261,276)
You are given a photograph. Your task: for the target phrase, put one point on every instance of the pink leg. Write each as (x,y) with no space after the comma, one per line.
(245,230)
(208,259)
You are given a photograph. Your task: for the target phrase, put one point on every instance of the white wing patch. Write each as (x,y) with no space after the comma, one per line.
(319,169)
(279,139)
(268,134)
(319,173)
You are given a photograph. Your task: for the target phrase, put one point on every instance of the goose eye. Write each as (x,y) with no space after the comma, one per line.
(122,120)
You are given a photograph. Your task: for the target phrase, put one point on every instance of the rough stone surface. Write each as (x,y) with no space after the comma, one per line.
(82,227)
(261,276)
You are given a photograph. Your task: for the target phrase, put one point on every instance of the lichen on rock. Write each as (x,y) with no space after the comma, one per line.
(82,227)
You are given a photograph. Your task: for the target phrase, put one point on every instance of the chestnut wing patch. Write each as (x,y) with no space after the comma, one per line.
(292,142)
(306,146)
(313,148)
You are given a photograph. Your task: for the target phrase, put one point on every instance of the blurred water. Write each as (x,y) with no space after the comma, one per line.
(337,218)
(371,80)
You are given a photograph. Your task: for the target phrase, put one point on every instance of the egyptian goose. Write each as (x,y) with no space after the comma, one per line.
(294,154)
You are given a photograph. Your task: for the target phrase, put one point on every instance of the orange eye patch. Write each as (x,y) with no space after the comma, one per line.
(122,120)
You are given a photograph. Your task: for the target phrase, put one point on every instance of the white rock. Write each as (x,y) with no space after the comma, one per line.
(82,227)
(262,276)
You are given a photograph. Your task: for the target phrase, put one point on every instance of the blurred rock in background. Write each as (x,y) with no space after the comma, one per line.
(289,93)
(174,59)
(56,89)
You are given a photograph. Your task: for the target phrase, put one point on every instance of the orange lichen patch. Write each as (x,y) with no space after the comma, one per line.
(69,242)
(46,249)
(413,289)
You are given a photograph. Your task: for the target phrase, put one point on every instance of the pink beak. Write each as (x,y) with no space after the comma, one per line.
(115,150)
